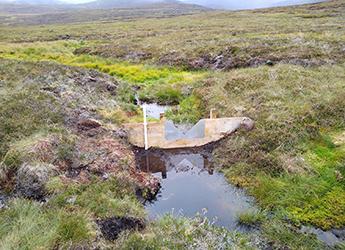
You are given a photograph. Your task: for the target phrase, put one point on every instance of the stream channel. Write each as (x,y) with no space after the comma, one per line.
(191,185)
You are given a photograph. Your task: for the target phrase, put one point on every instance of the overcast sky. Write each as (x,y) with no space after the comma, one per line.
(77,1)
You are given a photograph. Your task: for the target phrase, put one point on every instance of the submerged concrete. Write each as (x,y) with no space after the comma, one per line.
(165,135)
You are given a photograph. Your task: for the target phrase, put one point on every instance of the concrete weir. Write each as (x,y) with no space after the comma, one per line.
(165,135)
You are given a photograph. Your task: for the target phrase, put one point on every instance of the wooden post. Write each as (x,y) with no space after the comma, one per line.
(145,128)
(213,114)
(161,117)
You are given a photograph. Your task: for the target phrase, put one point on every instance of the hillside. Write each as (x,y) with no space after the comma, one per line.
(69,82)
(241,5)
(14,14)
(108,4)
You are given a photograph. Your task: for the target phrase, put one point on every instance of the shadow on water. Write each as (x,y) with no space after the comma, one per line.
(191,185)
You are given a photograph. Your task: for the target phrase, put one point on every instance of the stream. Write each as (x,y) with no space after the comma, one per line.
(190,185)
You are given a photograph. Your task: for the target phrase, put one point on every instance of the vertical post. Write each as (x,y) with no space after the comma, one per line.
(213,113)
(145,128)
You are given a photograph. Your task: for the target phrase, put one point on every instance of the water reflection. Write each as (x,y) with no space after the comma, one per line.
(155,110)
(190,185)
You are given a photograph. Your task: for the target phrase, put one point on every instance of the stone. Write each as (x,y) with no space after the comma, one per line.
(87,124)
(120,133)
(269,63)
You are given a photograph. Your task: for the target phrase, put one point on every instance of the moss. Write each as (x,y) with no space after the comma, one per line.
(316,199)
(160,84)
(55,185)
(190,111)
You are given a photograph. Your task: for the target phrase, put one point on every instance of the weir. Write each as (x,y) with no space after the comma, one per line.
(164,134)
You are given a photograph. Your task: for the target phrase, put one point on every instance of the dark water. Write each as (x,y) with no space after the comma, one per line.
(191,186)
(331,238)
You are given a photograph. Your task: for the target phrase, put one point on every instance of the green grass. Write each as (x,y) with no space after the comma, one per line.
(302,35)
(285,163)
(289,163)
(170,232)
(25,112)
(252,218)
(28,225)
(282,234)
(154,84)
(63,52)
(315,198)
(102,199)
(190,110)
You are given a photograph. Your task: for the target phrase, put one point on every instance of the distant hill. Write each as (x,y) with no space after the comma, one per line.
(249,4)
(33,2)
(44,6)
(11,14)
(108,4)
(295,2)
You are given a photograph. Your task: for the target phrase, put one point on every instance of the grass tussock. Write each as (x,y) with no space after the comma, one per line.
(290,105)
(114,197)
(28,225)
(181,233)
(25,112)
(251,218)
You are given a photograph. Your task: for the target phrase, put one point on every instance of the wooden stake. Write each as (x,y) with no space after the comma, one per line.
(145,128)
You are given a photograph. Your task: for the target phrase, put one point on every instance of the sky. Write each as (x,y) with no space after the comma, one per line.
(77,1)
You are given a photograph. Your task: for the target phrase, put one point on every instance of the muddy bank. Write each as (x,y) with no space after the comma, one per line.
(112,227)
(227,59)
